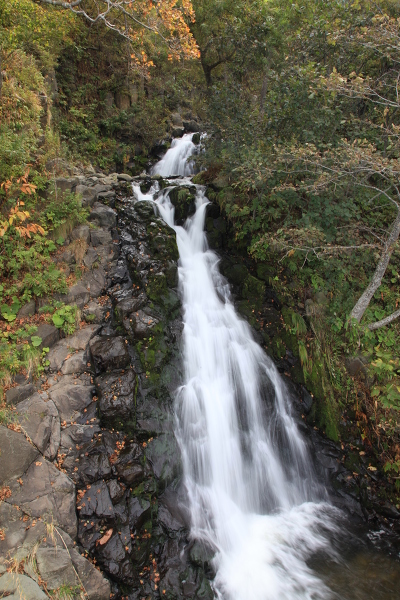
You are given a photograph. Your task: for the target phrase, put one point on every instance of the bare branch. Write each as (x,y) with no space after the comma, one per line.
(384,321)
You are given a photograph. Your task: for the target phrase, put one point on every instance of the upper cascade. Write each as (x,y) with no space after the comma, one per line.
(175,160)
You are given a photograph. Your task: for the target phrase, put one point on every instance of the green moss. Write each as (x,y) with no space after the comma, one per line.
(254,290)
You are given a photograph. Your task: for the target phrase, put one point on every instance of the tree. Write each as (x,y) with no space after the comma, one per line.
(227,31)
(167,20)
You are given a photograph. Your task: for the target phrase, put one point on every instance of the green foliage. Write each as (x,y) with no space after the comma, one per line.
(65,318)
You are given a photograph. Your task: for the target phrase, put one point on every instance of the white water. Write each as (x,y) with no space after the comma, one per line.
(252,493)
(175,160)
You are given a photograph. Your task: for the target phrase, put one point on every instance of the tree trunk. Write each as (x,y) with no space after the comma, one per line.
(364,300)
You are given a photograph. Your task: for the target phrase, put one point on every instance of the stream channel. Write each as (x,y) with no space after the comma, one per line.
(234,488)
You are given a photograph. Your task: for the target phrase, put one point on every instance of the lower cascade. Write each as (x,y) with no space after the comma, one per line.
(253,497)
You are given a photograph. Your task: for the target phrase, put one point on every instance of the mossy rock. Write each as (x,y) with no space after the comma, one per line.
(183,199)
(162,240)
(247,310)
(237,274)
(196,138)
(157,287)
(264,272)
(200,178)
(254,290)
(145,209)
(278,348)
(291,342)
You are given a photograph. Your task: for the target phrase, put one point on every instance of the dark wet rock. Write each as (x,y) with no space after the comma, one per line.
(116,393)
(103,216)
(96,312)
(171,514)
(40,421)
(48,493)
(94,463)
(130,305)
(100,237)
(139,512)
(19,393)
(142,324)
(390,511)
(109,354)
(116,491)
(237,274)
(49,334)
(77,435)
(82,232)
(307,400)
(164,455)
(16,456)
(130,464)
(96,501)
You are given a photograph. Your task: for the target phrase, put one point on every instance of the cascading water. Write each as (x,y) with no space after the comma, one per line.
(175,161)
(252,492)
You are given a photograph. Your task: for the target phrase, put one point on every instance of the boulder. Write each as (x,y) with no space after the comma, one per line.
(177,132)
(15,586)
(75,364)
(82,232)
(66,184)
(40,421)
(100,237)
(20,392)
(96,501)
(16,455)
(191,126)
(95,312)
(124,177)
(109,354)
(142,324)
(129,464)
(48,493)
(49,334)
(107,197)
(176,119)
(55,568)
(95,282)
(101,188)
(70,398)
(78,294)
(27,310)
(116,394)
(104,216)
(89,195)
(139,512)
(129,305)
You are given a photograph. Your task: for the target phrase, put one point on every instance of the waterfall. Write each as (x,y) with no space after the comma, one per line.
(175,160)
(253,496)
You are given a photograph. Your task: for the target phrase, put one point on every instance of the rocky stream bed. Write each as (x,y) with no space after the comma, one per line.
(92,500)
